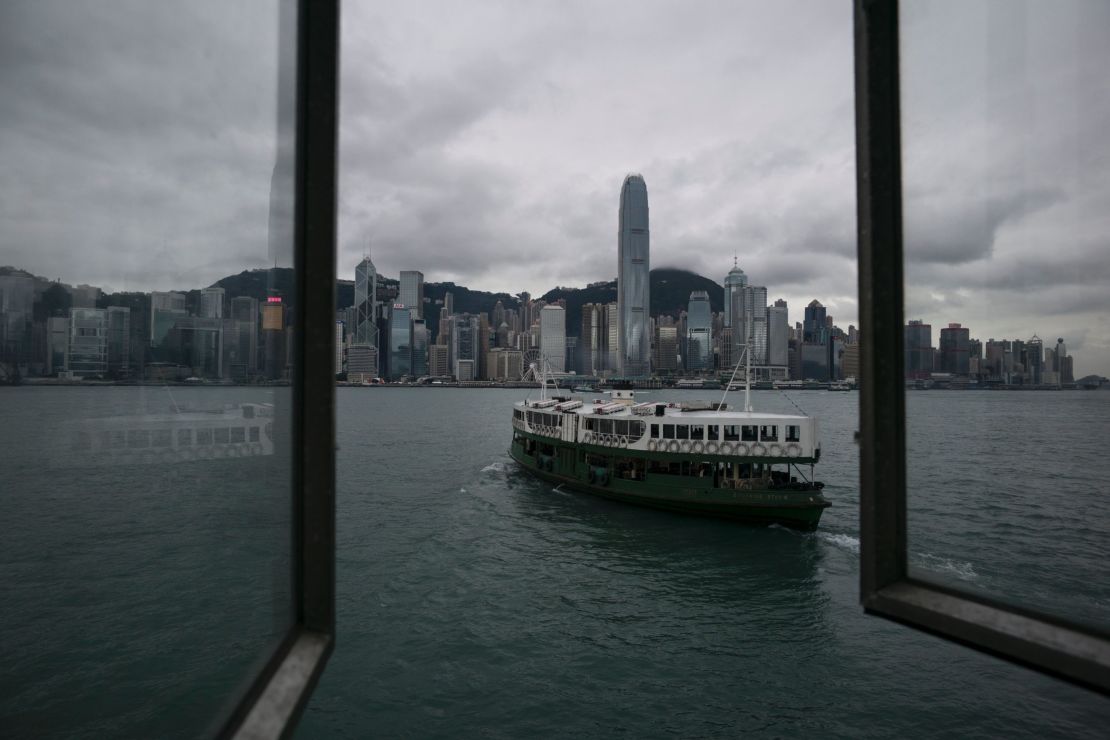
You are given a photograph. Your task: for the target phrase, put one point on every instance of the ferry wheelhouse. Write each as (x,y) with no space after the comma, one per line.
(692,457)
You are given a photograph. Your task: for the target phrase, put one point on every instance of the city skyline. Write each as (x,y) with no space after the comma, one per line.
(750,151)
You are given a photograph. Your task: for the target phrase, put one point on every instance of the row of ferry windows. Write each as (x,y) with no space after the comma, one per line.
(138,439)
(625,427)
(726,433)
(535,418)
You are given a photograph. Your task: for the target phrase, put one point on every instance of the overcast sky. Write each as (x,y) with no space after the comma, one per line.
(486,143)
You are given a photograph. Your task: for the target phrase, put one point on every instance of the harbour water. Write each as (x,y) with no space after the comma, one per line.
(475,600)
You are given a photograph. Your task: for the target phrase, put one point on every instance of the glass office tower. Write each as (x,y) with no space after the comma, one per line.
(699,332)
(633,279)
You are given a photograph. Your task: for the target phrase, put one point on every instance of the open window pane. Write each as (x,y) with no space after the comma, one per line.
(1007,278)
(148,301)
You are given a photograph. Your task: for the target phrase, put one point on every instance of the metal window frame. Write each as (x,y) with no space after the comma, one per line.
(1043,642)
(272,705)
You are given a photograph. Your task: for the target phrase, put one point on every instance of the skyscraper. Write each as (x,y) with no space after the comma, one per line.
(955,357)
(366,288)
(735,282)
(778,334)
(553,336)
(400,342)
(412,292)
(755,312)
(212,303)
(699,344)
(633,279)
(918,349)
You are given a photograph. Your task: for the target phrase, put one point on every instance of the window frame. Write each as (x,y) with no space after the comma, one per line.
(1046,643)
(275,700)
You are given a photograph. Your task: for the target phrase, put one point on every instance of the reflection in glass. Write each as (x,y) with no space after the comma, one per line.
(147,318)
(1006,343)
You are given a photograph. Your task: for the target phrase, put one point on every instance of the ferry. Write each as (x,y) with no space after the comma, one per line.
(693,457)
(180,435)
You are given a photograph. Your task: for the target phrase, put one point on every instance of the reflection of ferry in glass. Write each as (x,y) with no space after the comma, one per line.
(243,430)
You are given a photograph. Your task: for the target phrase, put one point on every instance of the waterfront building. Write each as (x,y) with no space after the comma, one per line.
(497,315)
(419,348)
(815,327)
(274,351)
(400,342)
(464,370)
(119,341)
(212,302)
(590,353)
(465,343)
(918,349)
(57,344)
(505,364)
(483,345)
(755,310)
(438,360)
(553,337)
(411,292)
(165,310)
(362,363)
(1033,359)
(87,354)
(241,338)
(955,346)
(17,301)
(726,357)
(197,343)
(735,316)
(699,339)
(666,349)
(849,361)
(778,334)
(366,303)
(340,346)
(815,361)
(633,279)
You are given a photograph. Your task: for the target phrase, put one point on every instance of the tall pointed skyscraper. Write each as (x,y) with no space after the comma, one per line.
(633,280)
(366,288)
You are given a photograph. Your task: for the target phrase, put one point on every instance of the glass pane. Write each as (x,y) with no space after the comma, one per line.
(146,323)
(1005,111)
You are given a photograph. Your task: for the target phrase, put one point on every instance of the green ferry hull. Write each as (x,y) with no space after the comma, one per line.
(798,510)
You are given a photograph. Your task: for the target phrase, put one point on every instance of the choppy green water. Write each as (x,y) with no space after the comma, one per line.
(476,601)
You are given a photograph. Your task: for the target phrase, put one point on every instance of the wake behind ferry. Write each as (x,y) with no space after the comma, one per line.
(693,457)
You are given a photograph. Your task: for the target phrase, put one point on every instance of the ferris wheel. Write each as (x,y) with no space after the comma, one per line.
(532,364)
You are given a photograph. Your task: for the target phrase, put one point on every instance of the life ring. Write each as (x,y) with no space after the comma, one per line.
(711,448)
(204,453)
(256,448)
(697,448)
(219,451)
(652,445)
(672,446)
(685,445)
(742,449)
(759,450)
(623,441)
(188,453)
(727,448)
(776,450)
(793,449)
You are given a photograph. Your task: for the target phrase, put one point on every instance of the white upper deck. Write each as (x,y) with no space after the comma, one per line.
(661,426)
